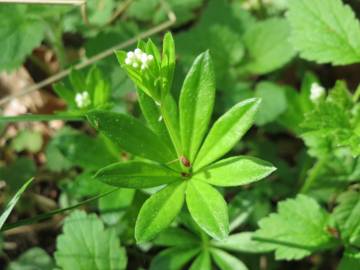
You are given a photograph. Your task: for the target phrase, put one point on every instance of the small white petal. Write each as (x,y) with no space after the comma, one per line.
(130,55)
(316,92)
(138,51)
(144,57)
(128,61)
(150,57)
(135,65)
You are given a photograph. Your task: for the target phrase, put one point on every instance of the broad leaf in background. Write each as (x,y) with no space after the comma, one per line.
(85,244)
(273,102)
(267,46)
(297,230)
(33,259)
(350,260)
(347,215)
(159,211)
(20,33)
(27,140)
(8,208)
(196,104)
(325,31)
(226,132)
(208,208)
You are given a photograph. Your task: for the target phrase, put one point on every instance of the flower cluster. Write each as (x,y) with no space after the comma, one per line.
(138,59)
(82,99)
(316,92)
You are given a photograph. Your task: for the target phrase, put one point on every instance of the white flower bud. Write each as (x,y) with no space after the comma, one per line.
(316,92)
(82,100)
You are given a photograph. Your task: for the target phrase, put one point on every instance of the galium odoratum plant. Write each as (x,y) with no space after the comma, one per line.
(172,150)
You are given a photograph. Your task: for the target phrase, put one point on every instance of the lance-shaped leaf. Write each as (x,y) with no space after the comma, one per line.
(168,61)
(196,104)
(9,207)
(208,208)
(225,261)
(159,211)
(136,174)
(131,135)
(235,171)
(226,132)
(173,258)
(202,262)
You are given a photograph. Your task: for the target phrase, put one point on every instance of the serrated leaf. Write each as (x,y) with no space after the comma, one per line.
(325,31)
(268,46)
(131,135)
(159,211)
(20,33)
(226,132)
(202,262)
(225,261)
(347,215)
(196,104)
(208,208)
(235,171)
(137,174)
(85,244)
(173,258)
(296,230)
(242,242)
(32,259)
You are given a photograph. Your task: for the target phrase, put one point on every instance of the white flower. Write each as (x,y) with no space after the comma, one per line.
(82,100)
(316,92)
(138,59)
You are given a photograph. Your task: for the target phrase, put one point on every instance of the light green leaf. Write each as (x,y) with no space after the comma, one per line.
(20,33)
(196,104)
(297,230)
(202,262)
(32,259)
(242,242)
(130,134)
(27,140)
(325,31)
(168,61)
(268,46)
(137,174)
(225,261)
(173,258)
(9,207)
(176,237)
(226,132)
(85,244)
(159,211)
(235,171)
(273,102)
(347,215)
(208,208)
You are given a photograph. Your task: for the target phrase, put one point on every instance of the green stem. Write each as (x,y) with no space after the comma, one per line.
(40,117)
(314,172)
(356,95)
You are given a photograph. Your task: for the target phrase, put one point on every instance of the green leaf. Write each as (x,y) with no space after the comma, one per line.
(68,95)
(297,230)
(131,135)
(325,31)
(350,260)
(226,132)
(137,174)
(85,244)
(9,207)
(273,102)
(20,33)
(208,208)
(176,237)
(173,258)
(235,171)
(242,242)
(202,262)
(268,46)
(77,80)
(225,261)
(159,211)
(27,140)
(196,104)
(33,259)
(168,60)
(347,215)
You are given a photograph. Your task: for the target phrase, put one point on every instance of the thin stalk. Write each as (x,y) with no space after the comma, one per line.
(40,117)
(314,172)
